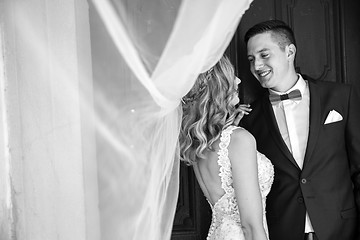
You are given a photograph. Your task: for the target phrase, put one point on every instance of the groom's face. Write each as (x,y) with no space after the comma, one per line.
(268,62)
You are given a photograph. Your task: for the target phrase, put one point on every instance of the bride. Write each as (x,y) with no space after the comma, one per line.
(233,176)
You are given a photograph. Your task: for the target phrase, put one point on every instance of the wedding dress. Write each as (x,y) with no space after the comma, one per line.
(226,222)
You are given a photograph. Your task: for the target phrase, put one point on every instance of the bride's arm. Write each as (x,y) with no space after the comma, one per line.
(242,154)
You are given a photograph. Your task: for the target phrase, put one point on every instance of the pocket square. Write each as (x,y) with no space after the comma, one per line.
(333,116)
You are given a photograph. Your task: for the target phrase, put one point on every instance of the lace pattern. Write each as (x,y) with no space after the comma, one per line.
(226,223)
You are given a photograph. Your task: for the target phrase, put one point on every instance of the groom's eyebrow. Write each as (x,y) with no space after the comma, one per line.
(263,50)
(259,51)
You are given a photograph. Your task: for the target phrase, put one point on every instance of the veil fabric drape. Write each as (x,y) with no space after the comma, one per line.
(163,45)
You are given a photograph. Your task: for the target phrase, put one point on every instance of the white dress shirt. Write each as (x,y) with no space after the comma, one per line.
(292,117)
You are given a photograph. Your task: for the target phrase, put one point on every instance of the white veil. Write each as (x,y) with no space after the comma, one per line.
(156,51)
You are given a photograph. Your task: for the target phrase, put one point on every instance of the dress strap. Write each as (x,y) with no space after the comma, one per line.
(224,161)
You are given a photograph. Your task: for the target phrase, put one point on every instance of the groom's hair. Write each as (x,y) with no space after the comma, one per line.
(278,30)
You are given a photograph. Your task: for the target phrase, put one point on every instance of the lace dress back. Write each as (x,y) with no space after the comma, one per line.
(226,222)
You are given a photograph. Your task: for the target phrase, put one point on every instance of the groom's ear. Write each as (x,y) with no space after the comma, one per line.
(291,51)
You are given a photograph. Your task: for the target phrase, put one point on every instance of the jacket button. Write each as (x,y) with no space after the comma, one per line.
(300,199)
(303,181)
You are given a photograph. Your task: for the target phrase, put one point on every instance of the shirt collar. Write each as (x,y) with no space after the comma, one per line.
(300,84)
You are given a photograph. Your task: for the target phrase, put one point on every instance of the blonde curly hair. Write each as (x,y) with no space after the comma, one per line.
(207,110)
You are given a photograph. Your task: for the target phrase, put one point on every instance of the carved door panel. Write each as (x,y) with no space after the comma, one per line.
(193,213)
(328,48)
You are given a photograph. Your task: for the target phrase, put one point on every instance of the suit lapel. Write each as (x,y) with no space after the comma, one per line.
(314,121)
(274,129)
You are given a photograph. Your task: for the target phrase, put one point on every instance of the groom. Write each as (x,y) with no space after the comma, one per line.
(313,140)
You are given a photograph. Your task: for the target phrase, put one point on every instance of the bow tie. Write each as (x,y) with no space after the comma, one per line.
(294,95)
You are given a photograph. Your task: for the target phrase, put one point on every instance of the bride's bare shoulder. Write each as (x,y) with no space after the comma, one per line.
(241,136)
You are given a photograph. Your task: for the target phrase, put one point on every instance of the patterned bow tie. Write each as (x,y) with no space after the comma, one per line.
(294,95)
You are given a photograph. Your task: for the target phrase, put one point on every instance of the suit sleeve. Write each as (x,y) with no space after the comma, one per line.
(353,144)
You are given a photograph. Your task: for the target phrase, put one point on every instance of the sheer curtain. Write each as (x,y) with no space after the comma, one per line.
(164,45)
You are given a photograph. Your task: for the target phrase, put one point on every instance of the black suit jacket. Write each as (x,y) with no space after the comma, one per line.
(325,186)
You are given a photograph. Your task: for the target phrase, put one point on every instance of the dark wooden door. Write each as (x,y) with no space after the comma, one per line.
(328,49)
